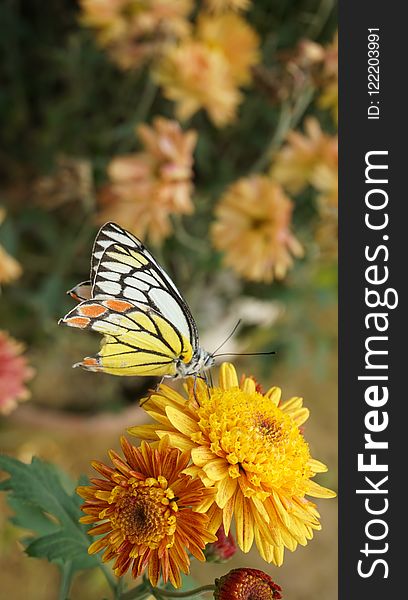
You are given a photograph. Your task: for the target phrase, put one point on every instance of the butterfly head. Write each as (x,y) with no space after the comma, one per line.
(200,361)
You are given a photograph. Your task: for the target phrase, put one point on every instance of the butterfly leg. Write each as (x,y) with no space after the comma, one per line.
(156,389)
(204,378)
(208,381)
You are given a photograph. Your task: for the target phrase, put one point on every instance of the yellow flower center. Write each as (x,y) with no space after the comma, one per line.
(144,511)
(256,438)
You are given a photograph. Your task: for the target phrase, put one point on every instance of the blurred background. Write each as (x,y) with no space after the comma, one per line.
(209,130)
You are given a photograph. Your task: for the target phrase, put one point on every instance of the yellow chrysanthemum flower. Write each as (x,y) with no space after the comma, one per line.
(197,76)
(253,229)
(248,446)
(235,38)
(145,507)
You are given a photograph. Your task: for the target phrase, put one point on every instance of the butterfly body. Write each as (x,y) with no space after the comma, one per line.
(147,325)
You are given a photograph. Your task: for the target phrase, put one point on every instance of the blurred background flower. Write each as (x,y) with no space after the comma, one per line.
(296,164)
(330,78)
(207,69)
(224,5)
(148,187)
(133,31)
(10,268)
(14,373)
(252,227)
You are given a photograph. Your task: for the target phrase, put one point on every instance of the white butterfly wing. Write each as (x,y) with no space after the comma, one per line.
(122,267)
(83,291)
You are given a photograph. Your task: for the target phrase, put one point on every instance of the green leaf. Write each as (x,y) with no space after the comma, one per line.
(60,545)
(28,516)
(39,498)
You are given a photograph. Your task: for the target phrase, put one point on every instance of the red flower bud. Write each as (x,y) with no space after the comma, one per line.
(246,584)
(221,550)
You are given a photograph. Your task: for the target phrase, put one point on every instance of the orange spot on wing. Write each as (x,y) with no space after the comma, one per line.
(118,305)
(92,310)
(78,321)
(89,361)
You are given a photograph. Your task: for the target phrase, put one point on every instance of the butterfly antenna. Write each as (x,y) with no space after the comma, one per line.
(228,338)
(245,354)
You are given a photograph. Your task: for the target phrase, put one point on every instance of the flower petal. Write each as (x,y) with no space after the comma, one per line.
(202,455)
(225,490)
(228,376)
(244,523)
(177,440)
(215,516)
(274,394)
(144,432)
(318,491)
(248,386)
(317,466)
(216,469)
(181,421)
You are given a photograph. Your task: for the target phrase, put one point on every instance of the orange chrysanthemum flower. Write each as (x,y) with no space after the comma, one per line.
(145,509)
(134,31)
(248,446)
(297,164)
(246,584)
(252,228)
(10,268)
(14,373)
(205,71)
(147,187)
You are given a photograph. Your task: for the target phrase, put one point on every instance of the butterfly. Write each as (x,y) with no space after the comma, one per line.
(147,325)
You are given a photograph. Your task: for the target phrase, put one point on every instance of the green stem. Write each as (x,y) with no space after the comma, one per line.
(189,593)
(121,134)
(146,101)
(322,14)
(66,577)
(279,134)
(302,104)
(109,577)
(134,593)
(288,119)
(186,239)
